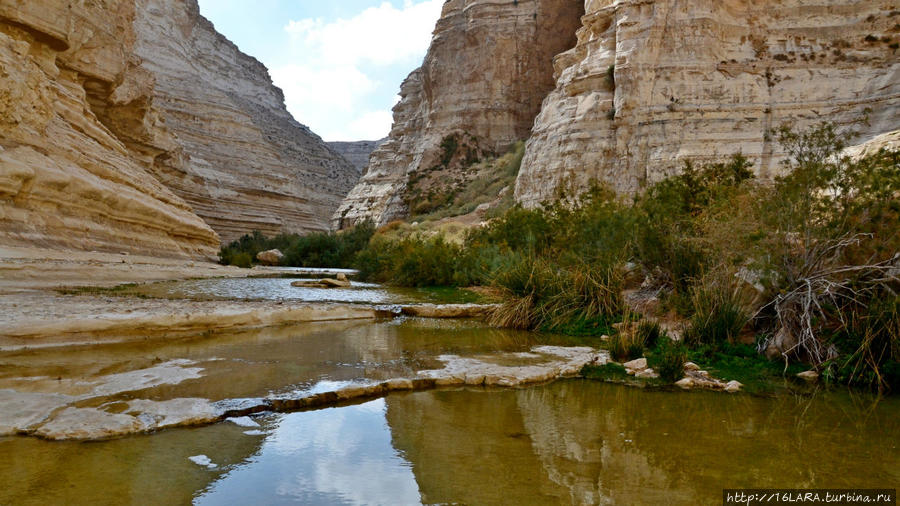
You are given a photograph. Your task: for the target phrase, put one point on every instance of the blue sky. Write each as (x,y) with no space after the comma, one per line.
(339,62)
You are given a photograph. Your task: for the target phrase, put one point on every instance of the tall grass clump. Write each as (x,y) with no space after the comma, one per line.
(718,316)
(625,346)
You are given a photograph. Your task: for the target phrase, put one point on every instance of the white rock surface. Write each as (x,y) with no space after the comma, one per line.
(487,70)
(248,164)
(701,80)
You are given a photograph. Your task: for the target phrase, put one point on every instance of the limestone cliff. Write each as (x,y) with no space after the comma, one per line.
(651,83)
(69,179)
(486,72)
(356,152)
(247,164)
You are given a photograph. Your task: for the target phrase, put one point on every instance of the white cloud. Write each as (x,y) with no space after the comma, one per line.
(371,125)
(336,66)
(381,35)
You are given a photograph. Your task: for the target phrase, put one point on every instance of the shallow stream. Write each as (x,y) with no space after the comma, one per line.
(568,442)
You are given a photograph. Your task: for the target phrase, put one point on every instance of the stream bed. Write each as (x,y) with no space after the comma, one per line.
(571,441)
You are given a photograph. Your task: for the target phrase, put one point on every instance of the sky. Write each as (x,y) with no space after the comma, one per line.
(339,62)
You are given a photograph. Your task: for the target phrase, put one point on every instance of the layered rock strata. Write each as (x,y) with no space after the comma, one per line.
(69,178)
(356,152)
(487,70)
(653,83)
(248,165)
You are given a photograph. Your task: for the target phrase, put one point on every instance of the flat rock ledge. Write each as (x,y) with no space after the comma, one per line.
(91,320)
(54,417)
(447,310)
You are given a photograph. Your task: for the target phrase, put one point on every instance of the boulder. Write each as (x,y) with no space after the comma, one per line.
(808,376)
(646,374)
(321,283)
(335,283)
(690,366)
(638,364)
(270,257)
(685,383)
(448,310)
(733,386)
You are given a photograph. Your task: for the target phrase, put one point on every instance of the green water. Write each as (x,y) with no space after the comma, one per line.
(570,442)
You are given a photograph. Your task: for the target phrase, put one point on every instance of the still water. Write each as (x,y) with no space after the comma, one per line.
(281,289)
(570,442)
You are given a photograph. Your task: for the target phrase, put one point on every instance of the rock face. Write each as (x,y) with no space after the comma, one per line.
(79,139)
(653,83)
(124,124)
(484,77)
(247,164)
(357,152)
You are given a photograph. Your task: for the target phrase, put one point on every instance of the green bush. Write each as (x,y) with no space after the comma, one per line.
(317,249)
(242,259)
(668,359)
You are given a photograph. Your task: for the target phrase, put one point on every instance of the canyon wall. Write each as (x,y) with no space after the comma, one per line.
(486,72)
(247,164)
(133,126)
(356,152)
(652,83)
(78,138)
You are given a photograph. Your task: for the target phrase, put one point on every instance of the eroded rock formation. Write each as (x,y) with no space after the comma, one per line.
(124,124)
(487,70)
(652,83)
(357,152)
(69,178)
(248,165)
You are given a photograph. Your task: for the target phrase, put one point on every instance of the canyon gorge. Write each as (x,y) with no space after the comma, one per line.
(133,126)
(647,86)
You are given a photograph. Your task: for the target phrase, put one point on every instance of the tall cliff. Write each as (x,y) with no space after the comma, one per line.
(651,83)
(356,152)
(486,72)
(124,124)
(69,178)
(248,165)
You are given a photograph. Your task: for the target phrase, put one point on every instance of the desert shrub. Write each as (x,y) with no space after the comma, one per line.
(668,359)
(833,244)
(869,347)
(540,294)
(317,249)
(241,259)
(649,332)
(606,372)
(672,214)
(611,77)
(718,315)
(624,346)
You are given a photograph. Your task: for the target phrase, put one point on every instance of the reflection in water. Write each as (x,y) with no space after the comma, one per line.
(590,443)
(251,364)
(332,456)
(570,442)
(281,289)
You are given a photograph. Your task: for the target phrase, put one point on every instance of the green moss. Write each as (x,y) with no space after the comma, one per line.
(744,364)
(606,372)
